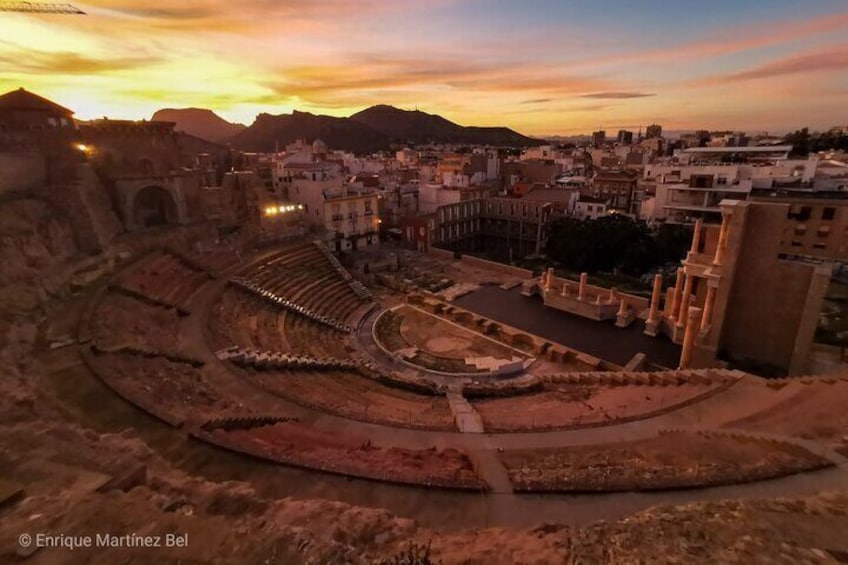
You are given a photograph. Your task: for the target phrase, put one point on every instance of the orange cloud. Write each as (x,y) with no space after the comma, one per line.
(617,95)
(14,59)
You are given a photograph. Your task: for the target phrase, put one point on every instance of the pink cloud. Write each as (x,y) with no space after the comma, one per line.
(829,59)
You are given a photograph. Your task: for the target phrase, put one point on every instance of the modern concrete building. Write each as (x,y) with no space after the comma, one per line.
(616,186)
(816,223)
(692,185)
(653,131)
(599,138)
(591,207)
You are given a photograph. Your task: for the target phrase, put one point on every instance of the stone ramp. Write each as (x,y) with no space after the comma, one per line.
(490,469)
(467,419)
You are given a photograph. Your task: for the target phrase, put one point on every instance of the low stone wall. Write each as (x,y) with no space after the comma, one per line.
(553,298)
(519,339)
(482,263)
(720,377)
(463,318)
(526,384)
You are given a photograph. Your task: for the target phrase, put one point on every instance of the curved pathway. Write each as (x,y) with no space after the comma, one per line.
(501,506)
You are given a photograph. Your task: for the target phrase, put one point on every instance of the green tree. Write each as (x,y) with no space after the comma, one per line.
(615,242)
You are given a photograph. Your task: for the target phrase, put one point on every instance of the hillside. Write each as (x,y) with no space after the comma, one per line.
(268,132)
(370,130)
(199,122)
(420,127)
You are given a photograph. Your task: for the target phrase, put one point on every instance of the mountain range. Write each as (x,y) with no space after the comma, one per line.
(199,122)
(370,130)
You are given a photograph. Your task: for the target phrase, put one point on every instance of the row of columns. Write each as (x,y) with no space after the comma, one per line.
(722,240)
(682,298)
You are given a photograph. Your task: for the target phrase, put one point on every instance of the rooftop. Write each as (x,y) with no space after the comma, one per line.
(754,149)
(21,99)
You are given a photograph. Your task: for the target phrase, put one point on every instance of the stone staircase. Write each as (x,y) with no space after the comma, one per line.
(271,360)
(467,419)
(358,288)
(291,306)
(245,422)
(657,378)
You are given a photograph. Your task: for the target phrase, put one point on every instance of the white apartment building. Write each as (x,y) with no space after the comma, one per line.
(693,183)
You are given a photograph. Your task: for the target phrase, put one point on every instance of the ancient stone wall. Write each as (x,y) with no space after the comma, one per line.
(35,243)
(21,171)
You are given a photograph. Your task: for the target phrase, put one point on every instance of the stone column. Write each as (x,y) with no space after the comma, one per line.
(549,278)
(612,295)
(684,301)
(622,317)
(708,308)
(581,290)
(696,236)
(652,323)
(722,240)
(689,337)
(655,298)
(678,288)
(565,289)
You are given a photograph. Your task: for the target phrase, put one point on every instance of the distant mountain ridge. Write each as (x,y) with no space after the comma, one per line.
(373,129)
(199,122)
(420,127)
(268,132)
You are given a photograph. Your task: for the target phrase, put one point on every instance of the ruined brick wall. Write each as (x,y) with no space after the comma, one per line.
(88,208)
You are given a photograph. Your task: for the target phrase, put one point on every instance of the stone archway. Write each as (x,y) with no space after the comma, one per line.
(154,206)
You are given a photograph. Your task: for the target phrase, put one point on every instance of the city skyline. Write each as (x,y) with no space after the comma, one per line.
(540,68)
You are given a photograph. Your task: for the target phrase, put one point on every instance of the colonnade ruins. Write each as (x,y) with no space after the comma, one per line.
(709,295)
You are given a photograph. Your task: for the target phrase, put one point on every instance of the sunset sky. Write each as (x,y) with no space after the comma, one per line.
(540,67)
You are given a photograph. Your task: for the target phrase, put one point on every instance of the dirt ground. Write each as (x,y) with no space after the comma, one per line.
(439,337)
(811,411)
(573,406)
(227,523)
(171,388)
(353,396)
(304,446)
(674,460)
(122,320)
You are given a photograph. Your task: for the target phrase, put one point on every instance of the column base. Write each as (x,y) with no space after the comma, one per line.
(652,328)
(624,320)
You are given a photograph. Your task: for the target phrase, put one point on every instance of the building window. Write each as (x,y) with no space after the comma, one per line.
(800,229)
(796,243)
(819,245)
(828,213)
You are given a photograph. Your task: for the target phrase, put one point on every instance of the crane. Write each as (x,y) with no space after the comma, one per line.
(39,8)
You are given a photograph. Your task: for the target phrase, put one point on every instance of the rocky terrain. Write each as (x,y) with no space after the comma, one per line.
(67,471)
